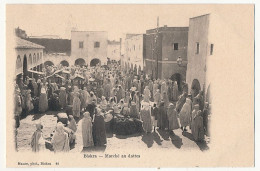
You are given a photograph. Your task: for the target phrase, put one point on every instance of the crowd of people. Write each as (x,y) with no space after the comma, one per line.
(107,91)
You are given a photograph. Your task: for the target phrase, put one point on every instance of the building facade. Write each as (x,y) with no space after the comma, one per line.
(200,48)
(113,50)
(89,47)
(164,46)
(135,52)
(29,58)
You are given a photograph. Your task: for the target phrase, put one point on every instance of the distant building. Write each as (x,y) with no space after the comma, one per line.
(113,50)
(200,48)
(163,47)
(20,33)
(89,47)
(134,52)
(29,58)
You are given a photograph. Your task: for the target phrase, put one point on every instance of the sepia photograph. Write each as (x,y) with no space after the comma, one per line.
(124,82)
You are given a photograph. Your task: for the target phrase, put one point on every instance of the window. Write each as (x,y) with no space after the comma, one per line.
(96,44)
(134,47)
(197,48)
(211,49)
(81,44)
(175,46)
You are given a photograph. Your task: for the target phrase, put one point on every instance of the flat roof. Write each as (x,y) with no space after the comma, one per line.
(200,16)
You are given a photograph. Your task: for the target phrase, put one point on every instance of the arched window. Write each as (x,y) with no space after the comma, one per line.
(34,58)
(18,62)
(30,60)
(38,57)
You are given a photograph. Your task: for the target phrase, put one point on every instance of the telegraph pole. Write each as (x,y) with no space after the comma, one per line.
(156,40)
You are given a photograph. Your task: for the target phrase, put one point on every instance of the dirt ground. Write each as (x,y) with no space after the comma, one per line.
(155,140)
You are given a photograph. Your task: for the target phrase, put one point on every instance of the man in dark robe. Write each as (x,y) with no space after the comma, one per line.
(99,130)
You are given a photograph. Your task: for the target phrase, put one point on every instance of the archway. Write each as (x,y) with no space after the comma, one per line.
(94,62)
(30,61)
(64,63)
(25,69)
(195,87)
(34,59)
(177,77)
(48,63)
(18,62)
(38,58)
(80,62)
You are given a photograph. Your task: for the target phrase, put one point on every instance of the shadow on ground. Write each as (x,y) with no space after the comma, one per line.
(94,149)
(150,138)
(176,140)
(201,144)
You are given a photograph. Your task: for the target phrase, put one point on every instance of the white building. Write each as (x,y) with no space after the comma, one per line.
(113,50)
(89,47)
(29,57)
(134,52)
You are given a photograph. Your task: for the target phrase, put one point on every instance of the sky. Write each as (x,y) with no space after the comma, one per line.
(39,20)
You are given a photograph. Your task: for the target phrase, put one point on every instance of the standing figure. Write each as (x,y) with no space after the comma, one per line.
(181,102)
(197,129)
(18,106)
(162,117)
(146,117)
(163,87)
(76,106)
(103,103)
(73,127)
(63,98)
(165,99)
(87,130)
(107,89)
(99,130)
(172,117)
(43,102)
(60,140)
(175,91)
(85,97)
(185,114)
(28,101)
(157,97)
(155,113)
(147,94)
(137,100)
(35,88)
(37,141)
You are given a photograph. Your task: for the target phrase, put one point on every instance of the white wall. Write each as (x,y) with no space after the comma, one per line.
(134,51)
(28,52)
(113,51)
(88,52)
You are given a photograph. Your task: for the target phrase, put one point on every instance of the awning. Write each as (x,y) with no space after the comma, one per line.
(55,75)
(65,71)
(36,72)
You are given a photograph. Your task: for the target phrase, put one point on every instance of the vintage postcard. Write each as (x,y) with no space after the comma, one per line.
(130,85)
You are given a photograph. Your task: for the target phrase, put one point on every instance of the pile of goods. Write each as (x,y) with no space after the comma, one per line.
(124,125)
